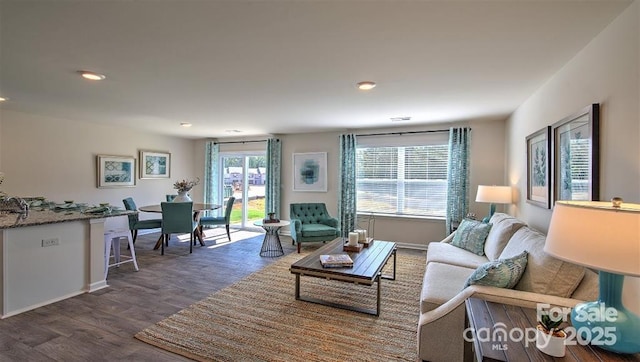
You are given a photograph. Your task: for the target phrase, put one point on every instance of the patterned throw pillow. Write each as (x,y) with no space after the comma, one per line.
(501,273)
(471,235)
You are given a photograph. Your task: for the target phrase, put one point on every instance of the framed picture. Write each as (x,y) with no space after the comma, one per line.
(576,156)
(310,172)
(155,164)
(538,168)
(116,171)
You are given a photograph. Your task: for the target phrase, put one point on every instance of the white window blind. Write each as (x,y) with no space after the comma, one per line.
(402,180)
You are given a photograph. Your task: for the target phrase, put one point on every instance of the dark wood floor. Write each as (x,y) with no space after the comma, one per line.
(100,326)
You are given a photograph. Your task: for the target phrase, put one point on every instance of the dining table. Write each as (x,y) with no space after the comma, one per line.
(198,208)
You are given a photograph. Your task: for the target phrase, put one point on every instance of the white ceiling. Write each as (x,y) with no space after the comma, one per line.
(269,67)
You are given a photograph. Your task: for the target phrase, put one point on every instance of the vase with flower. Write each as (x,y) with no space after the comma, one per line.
(183,187)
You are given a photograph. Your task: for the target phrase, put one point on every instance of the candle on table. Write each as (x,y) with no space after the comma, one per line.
(353,239)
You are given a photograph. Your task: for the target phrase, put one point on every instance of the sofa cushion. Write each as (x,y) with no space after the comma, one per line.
(544,274)
(441,282)
(471,235)
(317,230)
(504,226)
(448,254)
(501,273)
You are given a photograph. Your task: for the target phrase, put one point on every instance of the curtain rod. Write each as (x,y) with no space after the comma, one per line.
(224,143)
(401,133)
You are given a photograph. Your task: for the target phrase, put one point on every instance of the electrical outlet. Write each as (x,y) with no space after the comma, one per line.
(50,242)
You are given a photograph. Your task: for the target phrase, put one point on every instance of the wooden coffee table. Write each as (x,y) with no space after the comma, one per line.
(366,270)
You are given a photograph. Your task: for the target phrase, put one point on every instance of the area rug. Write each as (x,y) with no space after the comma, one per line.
(258,319)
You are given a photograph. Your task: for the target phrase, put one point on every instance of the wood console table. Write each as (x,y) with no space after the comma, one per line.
(482,314)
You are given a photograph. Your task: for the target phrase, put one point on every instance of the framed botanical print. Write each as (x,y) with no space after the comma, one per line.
(116,171)
(155,164)
(538,168)
(576,155)
(310,172)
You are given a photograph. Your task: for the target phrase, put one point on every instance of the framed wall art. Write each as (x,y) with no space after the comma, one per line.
(310,172)
(538,168)
(155,164)
(116,171)
(576,155)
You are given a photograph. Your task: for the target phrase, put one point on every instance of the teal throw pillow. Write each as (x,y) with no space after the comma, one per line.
(501,273)
(471,235)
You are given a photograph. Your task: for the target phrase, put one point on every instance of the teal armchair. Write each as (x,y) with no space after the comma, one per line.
(311,222)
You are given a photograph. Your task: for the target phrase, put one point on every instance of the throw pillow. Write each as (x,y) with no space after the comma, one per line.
(501,273)
(504,226)
(471,235)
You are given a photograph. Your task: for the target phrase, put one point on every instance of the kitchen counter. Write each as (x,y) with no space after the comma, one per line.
(49,255)
(41,217)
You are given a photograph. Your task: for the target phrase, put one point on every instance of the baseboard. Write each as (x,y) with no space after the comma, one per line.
(287,232)
(97,286)
(411,246)
(41,304)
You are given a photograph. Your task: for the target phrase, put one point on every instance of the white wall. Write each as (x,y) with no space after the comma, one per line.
(487,167)
(56,158)
(605,72)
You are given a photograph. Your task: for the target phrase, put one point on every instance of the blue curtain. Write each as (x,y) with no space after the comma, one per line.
(347,187)
(458,176)
(272,191)
(211,173)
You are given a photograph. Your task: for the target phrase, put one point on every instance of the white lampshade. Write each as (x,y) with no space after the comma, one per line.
(494,194)
(596,234)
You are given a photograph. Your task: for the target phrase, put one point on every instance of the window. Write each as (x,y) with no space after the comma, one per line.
(402,179)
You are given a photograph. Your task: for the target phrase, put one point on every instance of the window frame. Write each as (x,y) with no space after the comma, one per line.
(401,143)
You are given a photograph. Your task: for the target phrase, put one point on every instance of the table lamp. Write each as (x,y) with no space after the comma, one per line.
(604,236)
(494,195)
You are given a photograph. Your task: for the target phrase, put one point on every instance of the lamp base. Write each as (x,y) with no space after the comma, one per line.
(606,323)
(492,210)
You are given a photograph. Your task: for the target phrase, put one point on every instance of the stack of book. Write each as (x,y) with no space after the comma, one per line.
(336,261)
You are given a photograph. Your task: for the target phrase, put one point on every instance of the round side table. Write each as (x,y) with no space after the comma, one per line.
(271,245)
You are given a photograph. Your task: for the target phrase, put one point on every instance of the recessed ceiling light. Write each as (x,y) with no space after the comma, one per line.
(185,124)
(2,99)
(91,75)
(400,119)
(366,85)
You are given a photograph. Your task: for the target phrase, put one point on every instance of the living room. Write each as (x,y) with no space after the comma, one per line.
(55,156)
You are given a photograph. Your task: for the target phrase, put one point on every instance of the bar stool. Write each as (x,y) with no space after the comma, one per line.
(112,240)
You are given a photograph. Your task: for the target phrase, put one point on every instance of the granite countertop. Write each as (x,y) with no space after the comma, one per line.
(41,217)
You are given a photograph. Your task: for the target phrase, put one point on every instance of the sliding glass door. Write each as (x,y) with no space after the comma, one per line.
(244,177)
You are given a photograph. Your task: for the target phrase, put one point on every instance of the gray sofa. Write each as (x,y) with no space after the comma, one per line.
(442,302)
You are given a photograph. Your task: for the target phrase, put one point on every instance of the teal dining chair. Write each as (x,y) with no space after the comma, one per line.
(177,217)
(170,197)
(220,220)
(135,223)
